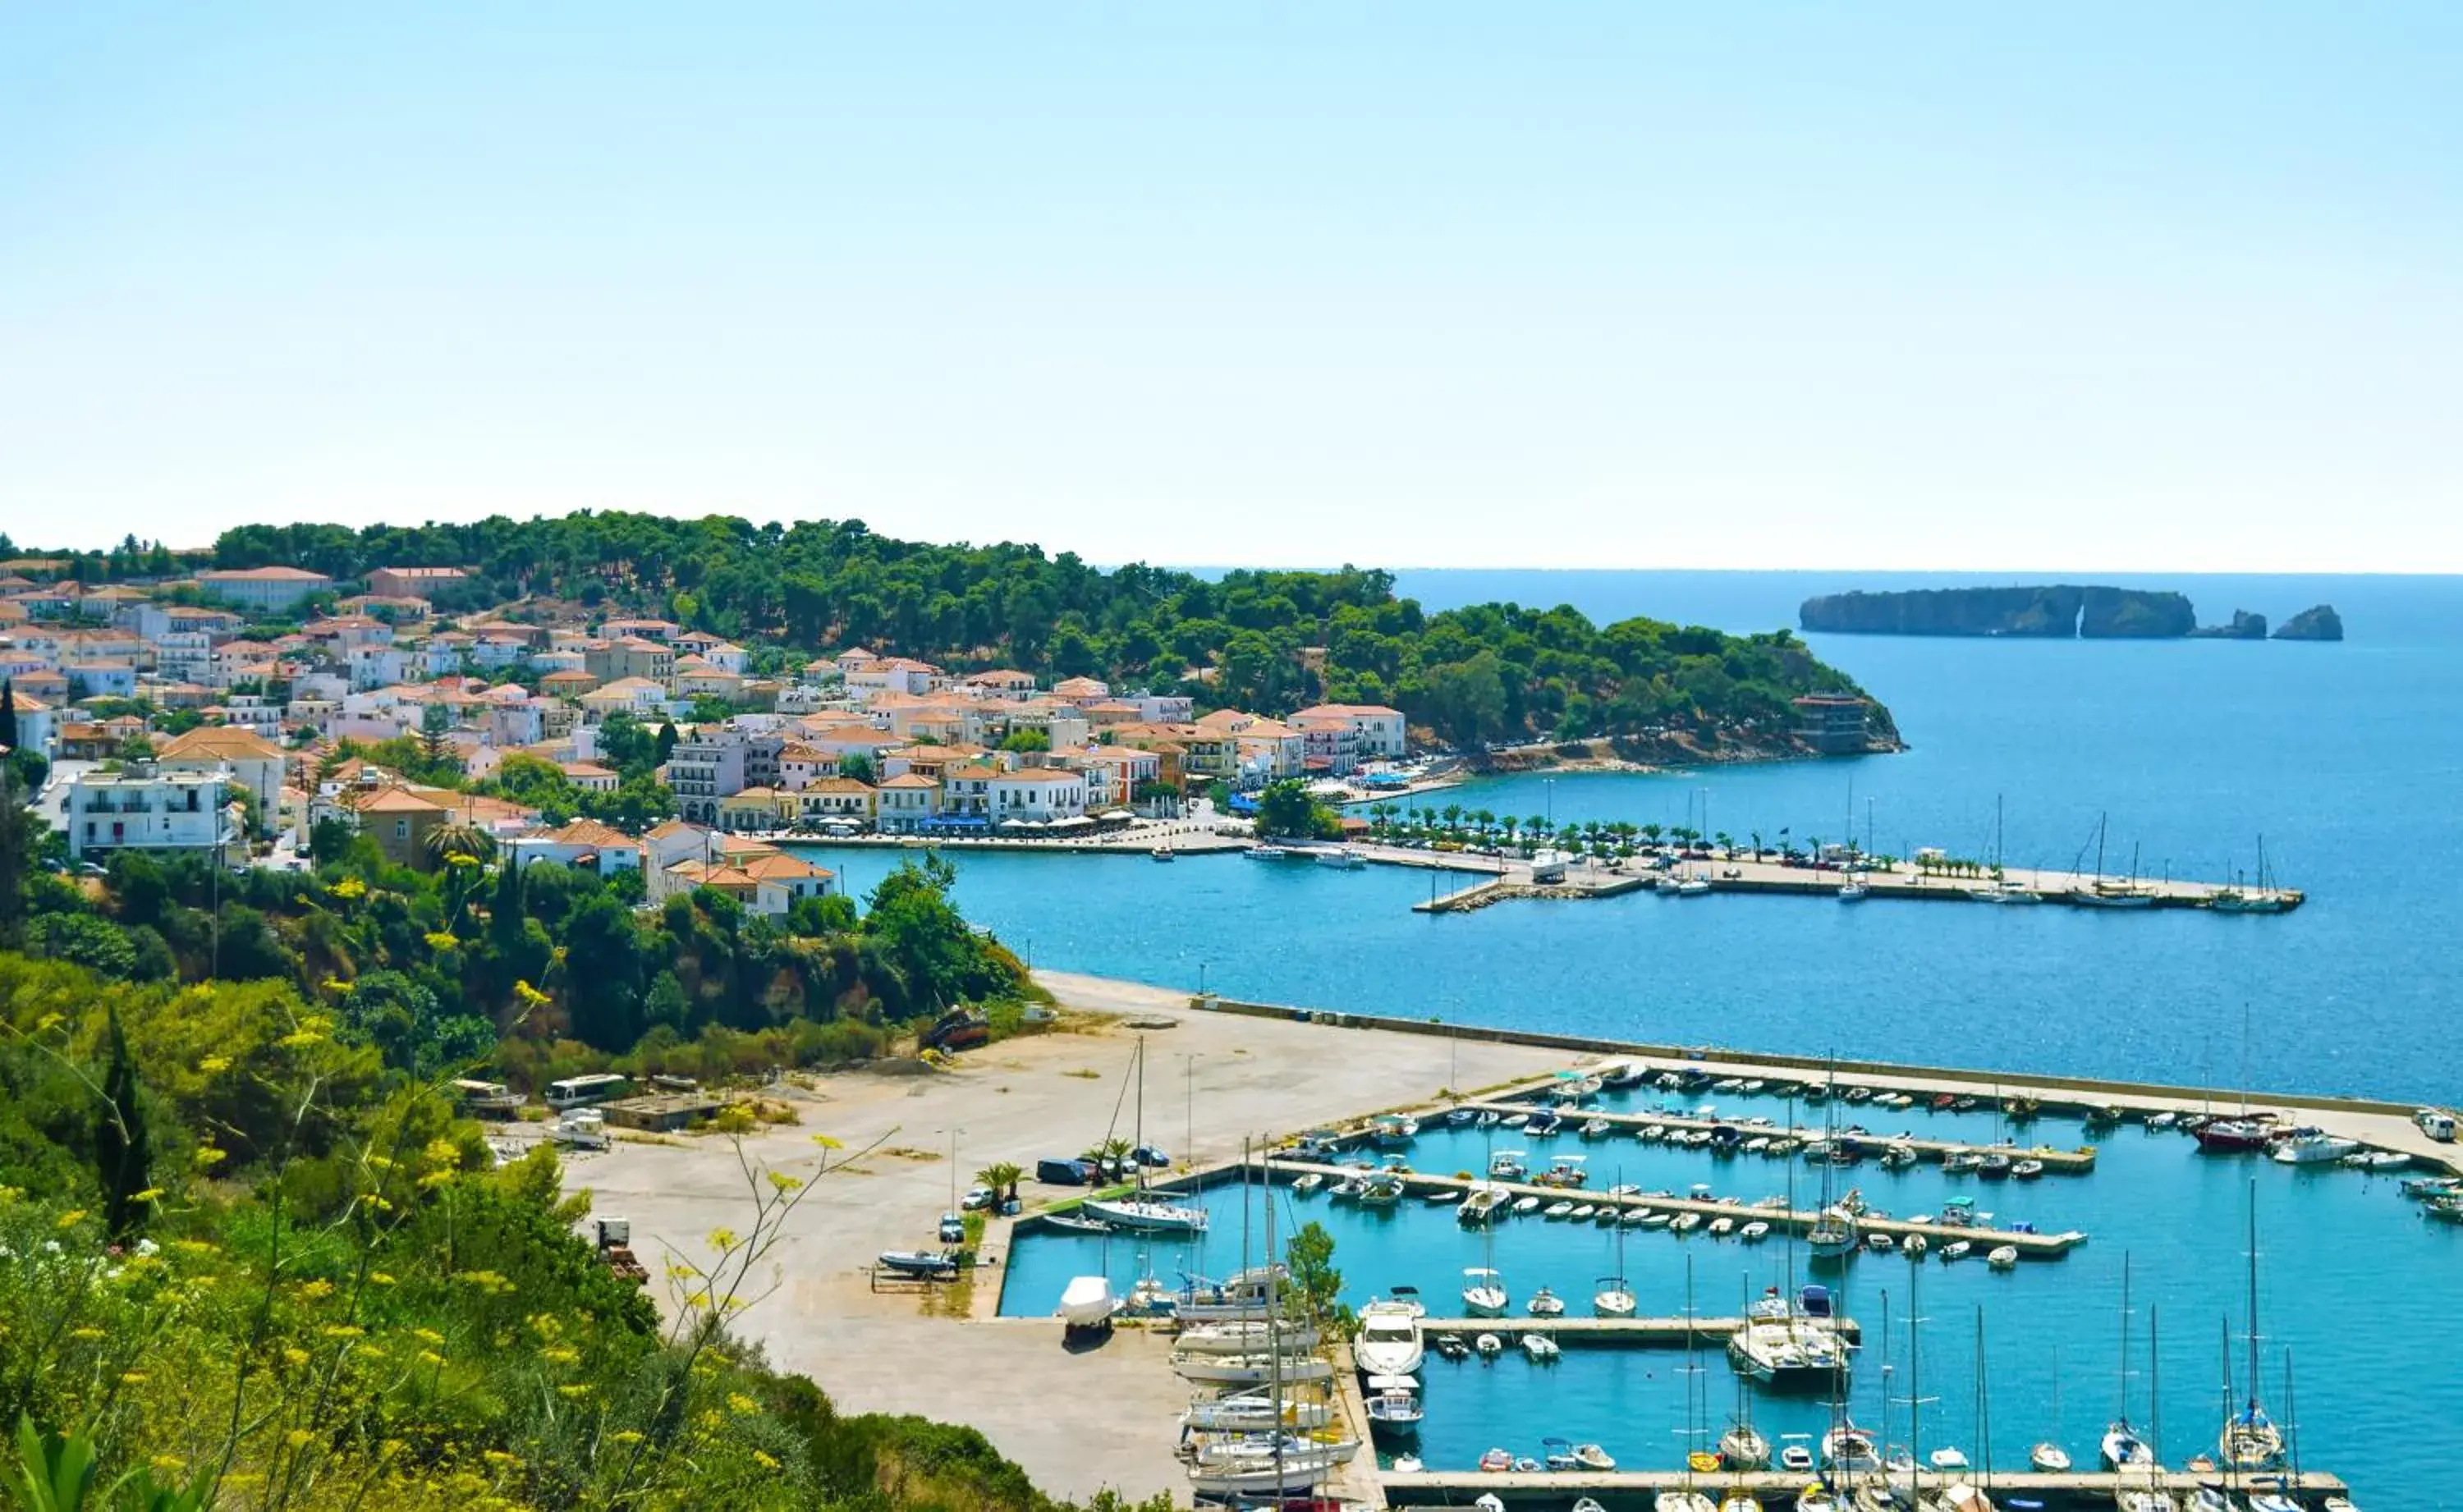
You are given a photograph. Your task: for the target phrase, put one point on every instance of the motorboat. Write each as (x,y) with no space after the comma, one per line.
(1342,858)
(1383,1190)
(1685,1222)
(922,1264)
(1308,1185)
(2027,1170)
(1597,1129)
(1461,1118)
(1556,1455)
(2049,1459)
(1496,1461)
(1450,1345)
(1563,1207)
(1593,1458)
(1388,1342)
(1545,1303)
(1541,1348)
(1245,1294)
(1162,853)
(1542,1124)
(1755,1232)
(2311,1147)
(1508,1165)
(1488,1346)
(1394,1130)
(1915,1246)
(1948,1458)
(1818,1498)
(1959,1496)
(1681,1501)
(1483,1293)
(1147,1215)
(1614,1299)
(1956,1250)
(1796,1459)
(1583,1213)
(1525,1206)
(1881,1244)
(2003,1257)
(1480,1206)
(2005,892)
(1854,891)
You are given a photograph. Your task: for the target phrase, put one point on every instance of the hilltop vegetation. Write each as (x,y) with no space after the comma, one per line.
(1265,640)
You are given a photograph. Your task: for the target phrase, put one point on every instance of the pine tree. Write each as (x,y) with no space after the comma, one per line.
(122,1158)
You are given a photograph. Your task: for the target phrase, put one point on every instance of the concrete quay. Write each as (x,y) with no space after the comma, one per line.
(1554,1489)
(1662,1333)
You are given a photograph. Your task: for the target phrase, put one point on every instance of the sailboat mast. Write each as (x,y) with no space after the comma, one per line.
(1983,1399)
(2154,1383)
(2252,1296)
(1274,1349)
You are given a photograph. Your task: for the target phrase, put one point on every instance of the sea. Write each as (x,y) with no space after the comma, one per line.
(2347,759)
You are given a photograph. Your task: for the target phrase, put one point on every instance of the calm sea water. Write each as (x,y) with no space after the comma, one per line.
(2337,1248)
(2346,758)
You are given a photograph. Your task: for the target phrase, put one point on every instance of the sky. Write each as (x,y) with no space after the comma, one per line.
(1941,286)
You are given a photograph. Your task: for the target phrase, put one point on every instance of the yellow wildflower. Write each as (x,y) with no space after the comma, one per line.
(721,1239)
(499,1459)
(214,1065)
(378,1278)
(626,1436)
(208,1157)
(440,940)
(342,1330)
(132,1377)
(152,1193)
(87,1333)
(742,1403)
(430,1358)
(764,1460)
(784,1183)
(297,1438)
(69,1219)
(560,1355)
(316,1290)
(429,1336)
(576,1390)
(295,1357)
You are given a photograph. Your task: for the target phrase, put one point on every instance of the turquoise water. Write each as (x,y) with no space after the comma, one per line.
(2346,757)
(2338,1248)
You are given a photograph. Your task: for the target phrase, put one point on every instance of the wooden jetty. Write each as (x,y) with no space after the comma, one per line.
(1553,1489)
(1627,1332)
(2030,1247)
(2068,1162)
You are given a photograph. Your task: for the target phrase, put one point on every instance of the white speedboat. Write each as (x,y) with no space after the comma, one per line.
(1488,1346)
(1483,1293)
(1480,1206)
(1545,1303)
(1541,1348)
(2003,1257)
(2006,892)
(1160,853)
(1396,1407)
(1388,1342)
(2311,1147)
(2049,1459)
(1147,1215)
(1341,858)
(1854,891)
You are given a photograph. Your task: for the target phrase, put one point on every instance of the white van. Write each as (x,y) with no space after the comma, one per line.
(2438,1126)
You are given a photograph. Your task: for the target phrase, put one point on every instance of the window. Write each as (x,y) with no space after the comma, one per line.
(401,829)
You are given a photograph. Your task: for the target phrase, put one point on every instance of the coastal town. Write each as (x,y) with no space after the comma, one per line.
(237,712)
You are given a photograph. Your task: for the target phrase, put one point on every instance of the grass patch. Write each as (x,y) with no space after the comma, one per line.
(899,1152)
(1084,1073)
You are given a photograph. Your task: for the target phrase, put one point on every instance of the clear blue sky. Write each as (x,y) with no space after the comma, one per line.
(2163,287)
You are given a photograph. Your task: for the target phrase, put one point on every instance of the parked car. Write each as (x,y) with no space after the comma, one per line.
(1063,1173)
(953,1229)
(977,1197)
(1152,1159)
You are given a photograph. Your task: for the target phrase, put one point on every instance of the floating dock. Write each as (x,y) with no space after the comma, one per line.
(1627,1332)
(2030,1247)
(1554,1489)
(2067,1162)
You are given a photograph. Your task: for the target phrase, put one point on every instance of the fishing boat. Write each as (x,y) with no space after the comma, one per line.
(1395,1408)
(1388,1342)
(1508,1165)
(2232,1135)
(1545,1303)
(1162,853)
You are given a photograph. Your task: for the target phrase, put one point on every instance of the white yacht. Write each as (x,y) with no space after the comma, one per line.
(1388,1342)
(1614,1299)
(2311,1147)
(1255,1412)
(1145,1214)
(1250,1370)
(1088,1302)
(1832,1234)
(1250,1336)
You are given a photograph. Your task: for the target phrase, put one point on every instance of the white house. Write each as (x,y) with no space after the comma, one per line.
(585,843)
(1038,793)
(266,588)
(145,809)
(1379,730)
(903,803)
(252,763)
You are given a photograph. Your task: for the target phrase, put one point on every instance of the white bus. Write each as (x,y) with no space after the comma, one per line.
(579,1092)
(485,1099)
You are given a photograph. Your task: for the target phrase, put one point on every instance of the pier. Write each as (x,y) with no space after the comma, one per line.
(2067,1162)
(1665,1333)
(2030,1247)
(1430,1488)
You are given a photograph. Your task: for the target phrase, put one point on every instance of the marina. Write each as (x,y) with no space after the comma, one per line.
(1592,1378)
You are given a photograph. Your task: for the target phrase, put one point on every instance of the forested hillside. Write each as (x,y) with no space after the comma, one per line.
(1264,641)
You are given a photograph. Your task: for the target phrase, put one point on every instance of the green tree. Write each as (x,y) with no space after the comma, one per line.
(123,1160)
(1316,1294)
(1285,810)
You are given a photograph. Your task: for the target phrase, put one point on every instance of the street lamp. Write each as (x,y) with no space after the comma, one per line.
(954,1132)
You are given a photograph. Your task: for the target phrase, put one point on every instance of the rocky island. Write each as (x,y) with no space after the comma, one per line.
(2050,611)
(2320,623)
(2058,612)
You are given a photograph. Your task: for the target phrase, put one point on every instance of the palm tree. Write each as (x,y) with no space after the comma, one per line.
(1486,819)
(1453,814)
(1109,1156)
(1652,832)
(1757,844)
(1726,843)
(1003,1178)
(460,837)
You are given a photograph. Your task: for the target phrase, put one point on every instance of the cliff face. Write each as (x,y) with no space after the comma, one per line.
(2057,611)
(2244,626)
(2320,623)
